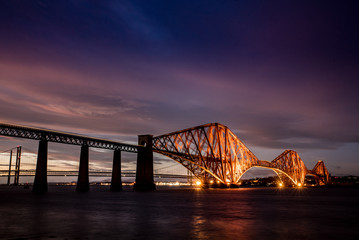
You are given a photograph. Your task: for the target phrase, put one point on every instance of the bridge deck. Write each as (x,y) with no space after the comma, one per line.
(29,173)
(62,137)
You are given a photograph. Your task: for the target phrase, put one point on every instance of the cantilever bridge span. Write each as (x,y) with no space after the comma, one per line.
(210,151)
(213,151)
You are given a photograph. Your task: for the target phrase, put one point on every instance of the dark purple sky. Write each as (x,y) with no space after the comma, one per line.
(280,74)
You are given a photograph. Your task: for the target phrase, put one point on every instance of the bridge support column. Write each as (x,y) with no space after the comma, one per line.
(40,182)
(116,183)
(144,171)
(83,184)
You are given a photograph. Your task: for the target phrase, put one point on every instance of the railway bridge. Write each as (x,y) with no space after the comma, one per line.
(212,152)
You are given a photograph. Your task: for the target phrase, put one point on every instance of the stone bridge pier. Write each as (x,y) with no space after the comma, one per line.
(40,182)
(144,171)
(144,174)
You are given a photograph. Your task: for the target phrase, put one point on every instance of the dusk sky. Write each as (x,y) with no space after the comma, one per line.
(280,74)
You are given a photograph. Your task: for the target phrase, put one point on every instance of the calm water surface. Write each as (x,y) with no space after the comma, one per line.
(246,213)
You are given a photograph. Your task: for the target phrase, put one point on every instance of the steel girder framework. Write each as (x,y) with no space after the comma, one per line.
(210,149)
(214,151)
(320,172)
(289,164)
(61,137)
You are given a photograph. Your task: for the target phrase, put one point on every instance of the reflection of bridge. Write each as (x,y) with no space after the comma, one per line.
(212,151)
(209,151)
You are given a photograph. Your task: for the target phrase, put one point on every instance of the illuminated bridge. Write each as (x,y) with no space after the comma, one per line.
(214,152)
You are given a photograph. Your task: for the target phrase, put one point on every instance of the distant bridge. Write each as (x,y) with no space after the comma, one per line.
(210,152)
(30,173)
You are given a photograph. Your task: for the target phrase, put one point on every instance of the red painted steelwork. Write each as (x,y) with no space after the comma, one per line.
(214,151)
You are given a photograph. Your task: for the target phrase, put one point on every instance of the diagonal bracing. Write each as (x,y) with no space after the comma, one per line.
(214,151)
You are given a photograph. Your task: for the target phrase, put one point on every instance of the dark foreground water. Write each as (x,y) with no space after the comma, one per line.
(246,213)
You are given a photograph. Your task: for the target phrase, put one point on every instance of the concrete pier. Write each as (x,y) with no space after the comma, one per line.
(116,182)
(83,184)
(40,182)
(144,171)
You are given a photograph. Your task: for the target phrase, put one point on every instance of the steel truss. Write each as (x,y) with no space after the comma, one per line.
(61,137)
(214,151)
(320,172)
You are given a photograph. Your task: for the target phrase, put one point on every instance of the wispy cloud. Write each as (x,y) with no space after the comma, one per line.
(119,69)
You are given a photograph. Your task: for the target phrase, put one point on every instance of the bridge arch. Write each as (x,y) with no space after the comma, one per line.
(283,176)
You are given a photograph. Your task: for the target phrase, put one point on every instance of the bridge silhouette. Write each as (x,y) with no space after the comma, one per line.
(212,152)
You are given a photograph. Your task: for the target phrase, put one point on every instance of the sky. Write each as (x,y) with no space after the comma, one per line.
(280,74)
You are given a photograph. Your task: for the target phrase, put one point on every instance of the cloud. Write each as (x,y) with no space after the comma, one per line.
(116,70)
(301,117)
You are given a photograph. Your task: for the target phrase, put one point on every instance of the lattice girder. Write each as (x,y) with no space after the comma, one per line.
(321,172)
(62,137)
(212,147)
(290,163)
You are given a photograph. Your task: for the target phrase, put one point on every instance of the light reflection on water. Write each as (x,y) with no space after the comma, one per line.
(246,213)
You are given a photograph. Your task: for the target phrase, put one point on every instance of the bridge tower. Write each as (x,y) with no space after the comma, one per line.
(17,166)
(9,176)
(144,171)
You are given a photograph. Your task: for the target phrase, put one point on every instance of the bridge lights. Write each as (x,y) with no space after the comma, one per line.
(211,182)
(198,183)
(280,184)
(228,182)
(299,184)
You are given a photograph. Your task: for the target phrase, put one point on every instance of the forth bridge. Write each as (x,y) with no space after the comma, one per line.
(211,152)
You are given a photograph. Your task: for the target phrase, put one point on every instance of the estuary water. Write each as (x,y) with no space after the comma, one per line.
(244,213)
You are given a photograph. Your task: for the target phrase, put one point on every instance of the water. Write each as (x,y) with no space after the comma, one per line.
(246,213)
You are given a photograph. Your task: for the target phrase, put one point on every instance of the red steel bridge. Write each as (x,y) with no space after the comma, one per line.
(212,152)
